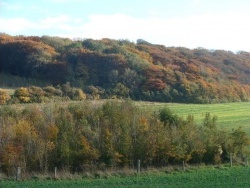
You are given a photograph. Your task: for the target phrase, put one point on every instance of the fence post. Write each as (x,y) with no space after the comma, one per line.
(138,166)
(55,173)
(231,160)
(18,173)
(183,165)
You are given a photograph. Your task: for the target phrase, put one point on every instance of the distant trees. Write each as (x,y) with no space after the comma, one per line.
(25,57)
(36,94)
(146,71)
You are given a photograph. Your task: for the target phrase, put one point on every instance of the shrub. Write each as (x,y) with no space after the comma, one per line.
(4,96)
(36,93)
(78,94)
(23,95)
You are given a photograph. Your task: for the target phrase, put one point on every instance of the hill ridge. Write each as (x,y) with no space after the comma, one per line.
(122,69)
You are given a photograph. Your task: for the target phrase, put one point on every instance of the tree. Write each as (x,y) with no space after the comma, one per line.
(121,90)
(65,136)
(167,117)
(238,142)
(25,139)
(210,122)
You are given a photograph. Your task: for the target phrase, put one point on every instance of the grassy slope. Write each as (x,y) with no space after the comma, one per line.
(237,176)
(230,115)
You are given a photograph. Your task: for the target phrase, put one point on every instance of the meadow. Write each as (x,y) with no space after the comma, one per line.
(230,115)
(236,176)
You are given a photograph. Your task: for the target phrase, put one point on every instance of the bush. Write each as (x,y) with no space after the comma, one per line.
(36,93)
(23,95)
(4,96)
(78,94)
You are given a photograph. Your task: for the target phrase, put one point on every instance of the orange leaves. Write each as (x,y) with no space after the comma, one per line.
(28,44)
(143,124)
(6,38)
(155,84)
(85,144)
(10,156)
(155,77)
(88,152)
(52,132)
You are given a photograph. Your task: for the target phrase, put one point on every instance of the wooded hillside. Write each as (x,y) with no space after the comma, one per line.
(122,69)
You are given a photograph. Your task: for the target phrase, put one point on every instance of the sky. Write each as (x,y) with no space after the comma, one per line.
(210,24)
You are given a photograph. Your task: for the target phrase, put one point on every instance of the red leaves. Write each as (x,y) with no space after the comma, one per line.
(155,84)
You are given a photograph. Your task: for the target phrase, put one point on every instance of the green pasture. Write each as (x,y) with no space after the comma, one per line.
(230,115)
(237,176)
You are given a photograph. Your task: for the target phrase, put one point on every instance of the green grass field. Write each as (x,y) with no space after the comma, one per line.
(230,115)
(237,176)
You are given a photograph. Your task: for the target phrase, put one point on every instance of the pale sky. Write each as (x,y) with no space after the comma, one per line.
(211,24)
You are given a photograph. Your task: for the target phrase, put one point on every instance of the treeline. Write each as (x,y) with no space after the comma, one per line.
(84,137)
(59,93)
(46,94)
(123,69)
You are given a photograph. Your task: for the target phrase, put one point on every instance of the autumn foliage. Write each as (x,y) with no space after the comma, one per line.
(142,71)
(87,137)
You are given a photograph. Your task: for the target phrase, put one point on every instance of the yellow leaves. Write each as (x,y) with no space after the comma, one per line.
(4,96)
(141,54)
(52,132)
(108,134)
(118,157)
(89,153)
(50,146)
(143,124)
(85,144)
(23,95)
(24,99)
(24,129)
(79,95)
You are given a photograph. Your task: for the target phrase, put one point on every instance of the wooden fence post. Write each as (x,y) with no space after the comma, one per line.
(231,160)
(183,165)
(138,166)
(18,173)
(55,173)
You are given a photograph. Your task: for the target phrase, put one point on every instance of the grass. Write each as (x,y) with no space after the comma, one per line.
(230,115)
(237,176)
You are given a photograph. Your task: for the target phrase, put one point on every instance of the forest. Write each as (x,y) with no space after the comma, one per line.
(46,72)
(86,136)
(120,69)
